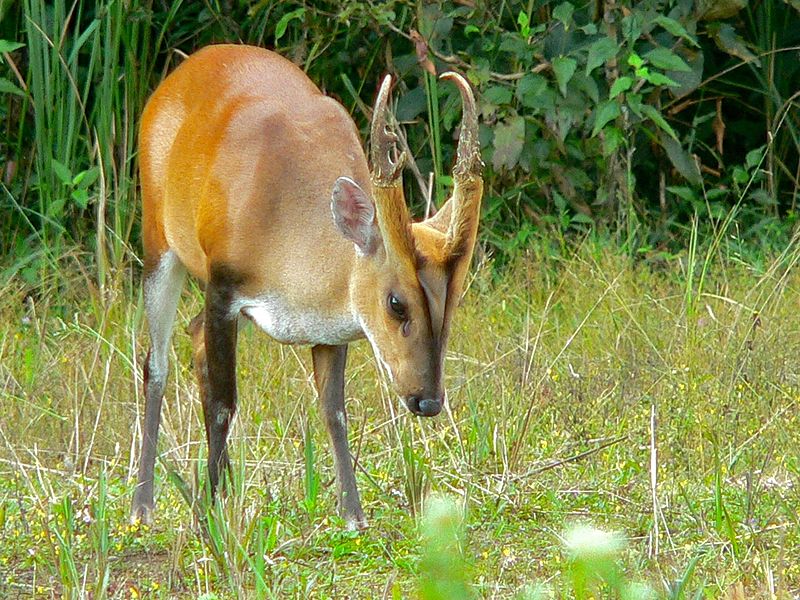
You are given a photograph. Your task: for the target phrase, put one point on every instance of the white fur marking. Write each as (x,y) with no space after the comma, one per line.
(293,325)
(162,292)
(377,351)
(222,416)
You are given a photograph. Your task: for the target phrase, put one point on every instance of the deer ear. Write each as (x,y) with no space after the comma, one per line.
(354,215)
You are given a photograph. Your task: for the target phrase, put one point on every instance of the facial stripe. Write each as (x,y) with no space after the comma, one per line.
(435,304)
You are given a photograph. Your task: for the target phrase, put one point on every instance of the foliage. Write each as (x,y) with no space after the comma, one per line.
(634,115)
(615,113)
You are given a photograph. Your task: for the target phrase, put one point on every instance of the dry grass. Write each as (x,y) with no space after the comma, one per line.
(581,388)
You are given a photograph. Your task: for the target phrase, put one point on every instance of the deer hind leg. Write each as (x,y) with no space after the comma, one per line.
(329,363)
(198,332)
(163,282)
(218,390)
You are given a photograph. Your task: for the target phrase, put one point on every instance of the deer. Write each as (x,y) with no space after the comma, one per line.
(256,184)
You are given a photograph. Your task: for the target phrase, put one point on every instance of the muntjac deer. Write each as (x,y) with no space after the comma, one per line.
(256,183)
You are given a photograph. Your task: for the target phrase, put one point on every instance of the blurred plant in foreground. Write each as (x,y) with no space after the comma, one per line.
(593,569)
(444,570)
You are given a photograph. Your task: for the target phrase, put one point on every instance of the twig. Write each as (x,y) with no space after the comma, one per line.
(654,478)
(451,59)
(573,458)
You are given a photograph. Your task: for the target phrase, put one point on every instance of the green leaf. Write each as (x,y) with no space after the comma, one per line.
(676,29)
(612,140)
(666,59)
(564,68)
(657,78)
(497,95)
(623,84)
(9,87)
(607,111)
(56,207)
(688,82)
(61,171)
(727,40)
(635,60)
(529,88)
(581,218)
(652,113)
(599,52)
(524,23)
(753,158)
(411,104)
(280,28)
(86,178)
(740,175)
(632,26)
(587,85)
(634,102)
(80,197)
(509,136)
(684,193)
(7,46)
(470,29)
(563,12)
(717,193)
(683,162)
(516,45)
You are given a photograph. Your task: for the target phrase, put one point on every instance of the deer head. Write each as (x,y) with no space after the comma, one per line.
(410,276)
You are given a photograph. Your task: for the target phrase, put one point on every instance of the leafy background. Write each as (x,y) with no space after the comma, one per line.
(633,118)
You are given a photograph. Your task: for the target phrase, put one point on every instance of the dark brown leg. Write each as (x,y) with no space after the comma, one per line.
(220,333)
(329,363)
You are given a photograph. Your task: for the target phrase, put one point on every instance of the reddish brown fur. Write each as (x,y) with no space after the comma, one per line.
(240,158)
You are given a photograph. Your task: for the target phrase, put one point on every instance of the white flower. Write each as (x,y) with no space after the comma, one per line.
(589,544)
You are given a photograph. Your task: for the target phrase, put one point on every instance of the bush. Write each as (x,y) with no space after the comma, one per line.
(634,116)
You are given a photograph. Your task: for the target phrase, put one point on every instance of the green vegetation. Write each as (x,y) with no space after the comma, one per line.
(635,116)
(626,357)
(584,389)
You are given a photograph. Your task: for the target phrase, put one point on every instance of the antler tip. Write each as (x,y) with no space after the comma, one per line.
(469,160)
(454,76)
(386,164)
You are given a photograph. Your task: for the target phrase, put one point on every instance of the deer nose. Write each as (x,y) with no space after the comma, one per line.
(425,407)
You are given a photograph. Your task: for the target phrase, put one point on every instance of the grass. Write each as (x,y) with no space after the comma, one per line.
(584,387)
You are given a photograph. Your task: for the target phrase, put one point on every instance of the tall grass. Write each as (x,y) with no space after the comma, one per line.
(90,68)
(86,69)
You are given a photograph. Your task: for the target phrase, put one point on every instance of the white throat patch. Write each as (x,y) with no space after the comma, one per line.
(292,325)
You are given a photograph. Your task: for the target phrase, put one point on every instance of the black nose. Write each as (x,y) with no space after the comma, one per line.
(425,407)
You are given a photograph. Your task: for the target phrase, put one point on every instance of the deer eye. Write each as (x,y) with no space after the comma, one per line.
(397,308)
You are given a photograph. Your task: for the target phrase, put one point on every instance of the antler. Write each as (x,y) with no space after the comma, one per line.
(458,217)
(386,162)
(468,161)
(387,184)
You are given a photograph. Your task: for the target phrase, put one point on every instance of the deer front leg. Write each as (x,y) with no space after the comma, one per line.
(329,363)
(220,332)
